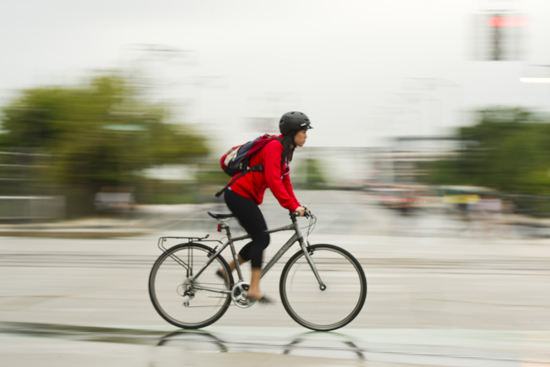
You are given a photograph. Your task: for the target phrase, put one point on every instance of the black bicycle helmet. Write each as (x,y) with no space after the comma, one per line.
(292,122)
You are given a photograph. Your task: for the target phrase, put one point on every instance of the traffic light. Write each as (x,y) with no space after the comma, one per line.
(498,36)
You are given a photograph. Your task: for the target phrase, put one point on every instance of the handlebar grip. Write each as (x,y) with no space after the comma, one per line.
(307,213)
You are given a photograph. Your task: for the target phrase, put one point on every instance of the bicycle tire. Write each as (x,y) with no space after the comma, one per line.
(314,308)
(169,279)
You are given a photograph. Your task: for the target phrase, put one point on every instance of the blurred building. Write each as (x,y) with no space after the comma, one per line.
(405,162)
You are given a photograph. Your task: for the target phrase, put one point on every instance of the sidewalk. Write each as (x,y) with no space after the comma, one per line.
(95,228)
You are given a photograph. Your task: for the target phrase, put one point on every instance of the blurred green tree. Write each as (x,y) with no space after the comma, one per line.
(100,133)
(508,150)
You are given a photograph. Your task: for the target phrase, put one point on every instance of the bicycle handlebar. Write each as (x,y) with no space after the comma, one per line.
(307,213)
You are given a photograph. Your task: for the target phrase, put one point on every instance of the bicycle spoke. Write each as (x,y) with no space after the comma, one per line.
(338,303)
(177,298)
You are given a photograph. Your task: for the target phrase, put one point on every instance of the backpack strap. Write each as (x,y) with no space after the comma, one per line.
(256,168)
(282,158)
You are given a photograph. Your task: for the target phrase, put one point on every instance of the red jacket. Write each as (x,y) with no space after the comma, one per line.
(253,184)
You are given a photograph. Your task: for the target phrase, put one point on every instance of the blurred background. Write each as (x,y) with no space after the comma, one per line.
(429,156)
(109,106)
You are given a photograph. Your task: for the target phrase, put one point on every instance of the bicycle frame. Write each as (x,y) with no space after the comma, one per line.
(296,237)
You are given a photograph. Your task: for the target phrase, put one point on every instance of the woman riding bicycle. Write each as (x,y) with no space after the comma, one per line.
(247,192)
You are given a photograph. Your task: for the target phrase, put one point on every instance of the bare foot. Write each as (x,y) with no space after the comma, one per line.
(254,294)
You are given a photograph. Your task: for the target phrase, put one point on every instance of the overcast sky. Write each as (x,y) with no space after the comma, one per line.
(362,70)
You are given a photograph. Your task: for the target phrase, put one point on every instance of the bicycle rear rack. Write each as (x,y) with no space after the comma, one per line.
(189,240)
(162,240)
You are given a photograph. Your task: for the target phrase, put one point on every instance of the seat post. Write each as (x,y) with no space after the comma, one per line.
(232,247)
(225,226)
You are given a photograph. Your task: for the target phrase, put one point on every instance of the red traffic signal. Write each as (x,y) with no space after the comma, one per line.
(504,21)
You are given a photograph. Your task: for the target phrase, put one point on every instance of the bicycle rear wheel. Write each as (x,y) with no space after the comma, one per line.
(333,307)
(170,280)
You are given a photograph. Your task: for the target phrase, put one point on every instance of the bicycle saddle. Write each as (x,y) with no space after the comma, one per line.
(221,215)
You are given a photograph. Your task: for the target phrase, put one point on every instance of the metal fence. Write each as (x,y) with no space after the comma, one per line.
(32,208)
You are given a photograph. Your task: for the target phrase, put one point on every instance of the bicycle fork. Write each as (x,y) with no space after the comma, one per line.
(305,249)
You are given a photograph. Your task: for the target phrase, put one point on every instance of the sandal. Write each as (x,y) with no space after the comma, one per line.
(263,300)
(219,273)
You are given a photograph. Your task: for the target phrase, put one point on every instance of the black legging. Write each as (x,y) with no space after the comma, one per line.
(252,220)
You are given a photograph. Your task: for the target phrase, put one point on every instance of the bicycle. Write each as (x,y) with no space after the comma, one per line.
(322,287)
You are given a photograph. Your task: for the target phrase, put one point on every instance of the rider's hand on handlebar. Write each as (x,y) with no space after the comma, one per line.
(300,211)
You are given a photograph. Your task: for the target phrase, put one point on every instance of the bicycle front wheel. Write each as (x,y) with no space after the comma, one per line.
(181,301)
(332,307)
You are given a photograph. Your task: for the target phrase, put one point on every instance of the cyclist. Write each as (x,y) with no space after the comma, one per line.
(245,194)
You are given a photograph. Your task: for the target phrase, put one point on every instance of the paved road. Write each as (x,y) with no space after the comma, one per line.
(434,299)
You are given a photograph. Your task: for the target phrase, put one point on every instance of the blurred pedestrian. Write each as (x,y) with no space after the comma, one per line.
(489,211)
(466,206)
